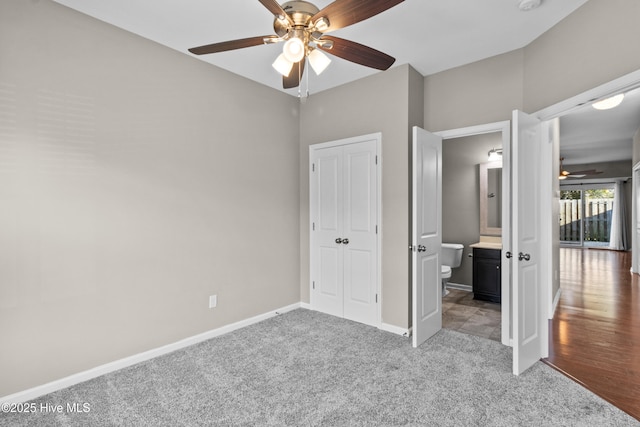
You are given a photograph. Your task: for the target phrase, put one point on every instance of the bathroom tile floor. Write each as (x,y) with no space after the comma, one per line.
(460,312)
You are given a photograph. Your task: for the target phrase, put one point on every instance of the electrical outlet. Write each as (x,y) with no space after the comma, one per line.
(213,301)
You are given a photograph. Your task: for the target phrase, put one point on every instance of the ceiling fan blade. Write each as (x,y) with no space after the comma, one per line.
(275,8)
(342,13)
(229,45)
(293,80)
(358,53)
(585,172)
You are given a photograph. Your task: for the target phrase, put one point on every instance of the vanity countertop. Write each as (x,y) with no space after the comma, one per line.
(487,245)
(488,242)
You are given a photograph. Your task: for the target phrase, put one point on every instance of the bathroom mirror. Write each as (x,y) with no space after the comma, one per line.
(491,198)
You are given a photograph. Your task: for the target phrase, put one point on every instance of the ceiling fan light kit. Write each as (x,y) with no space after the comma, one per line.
(301,26)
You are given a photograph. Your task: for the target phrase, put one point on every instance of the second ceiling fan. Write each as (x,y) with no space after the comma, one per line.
(302,27)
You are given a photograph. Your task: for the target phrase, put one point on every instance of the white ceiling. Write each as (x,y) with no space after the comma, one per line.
(431,35)
(588,135)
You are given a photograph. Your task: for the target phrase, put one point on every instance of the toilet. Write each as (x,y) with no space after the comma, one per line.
(451,257)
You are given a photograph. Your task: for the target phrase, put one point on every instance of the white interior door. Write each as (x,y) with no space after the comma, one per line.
(359,232)
(326,207)
(427,235)
(529,320)
(344,231)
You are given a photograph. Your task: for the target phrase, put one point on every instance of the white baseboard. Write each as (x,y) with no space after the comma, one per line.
(394,329)
(305,305)
(460,287)
(33,393)
(383,326)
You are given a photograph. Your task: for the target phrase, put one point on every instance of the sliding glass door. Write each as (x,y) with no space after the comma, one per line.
(585,214)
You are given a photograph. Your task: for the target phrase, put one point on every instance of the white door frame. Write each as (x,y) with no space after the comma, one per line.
(549,156)
(347,141)
(635,234)
(505,128)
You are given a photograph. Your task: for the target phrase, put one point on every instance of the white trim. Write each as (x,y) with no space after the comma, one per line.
(460,287)
(35,392)
(622,84)
(503,126)
(305,305)
(554,306)
(635,242)
(394,329)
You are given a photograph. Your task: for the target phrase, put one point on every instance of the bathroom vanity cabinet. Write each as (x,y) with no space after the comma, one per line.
(486,274)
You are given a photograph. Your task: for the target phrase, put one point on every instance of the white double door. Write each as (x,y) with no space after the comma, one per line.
(522,285)
(344,226)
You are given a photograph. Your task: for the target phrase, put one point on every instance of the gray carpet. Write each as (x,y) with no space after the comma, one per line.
(305,368)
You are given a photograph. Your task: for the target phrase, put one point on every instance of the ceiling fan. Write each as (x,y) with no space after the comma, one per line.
(576,174)
(302,27)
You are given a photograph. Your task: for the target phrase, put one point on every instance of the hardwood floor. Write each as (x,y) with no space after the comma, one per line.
(595,333)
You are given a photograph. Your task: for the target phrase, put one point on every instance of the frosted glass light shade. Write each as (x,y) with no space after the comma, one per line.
(293,49)
(609,103)
(282,65)
(319,61)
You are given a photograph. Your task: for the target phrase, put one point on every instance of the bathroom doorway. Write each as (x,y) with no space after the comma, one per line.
(464,151)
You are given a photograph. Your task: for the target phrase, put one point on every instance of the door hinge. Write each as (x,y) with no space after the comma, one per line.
(313,284)
(313,167)
(376,298)
(313,226)
(376,229)
(376,159)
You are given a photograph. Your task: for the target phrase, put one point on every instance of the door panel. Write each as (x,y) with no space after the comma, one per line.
(426,235)
(529,325)
(360,219)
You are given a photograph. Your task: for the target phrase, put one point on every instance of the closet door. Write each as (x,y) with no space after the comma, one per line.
(344,259)
(359,230)
(327,253)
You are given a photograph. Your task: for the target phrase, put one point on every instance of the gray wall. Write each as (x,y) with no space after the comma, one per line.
(461,194)
(379,103)
(134,183)
(115,240)
(594,45)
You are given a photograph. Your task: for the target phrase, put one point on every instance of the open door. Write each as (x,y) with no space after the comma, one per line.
(529,324)
(426,235)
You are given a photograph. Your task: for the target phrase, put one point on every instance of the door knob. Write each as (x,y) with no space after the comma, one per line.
(508,255)
(338,240)
(422,248)
(525,257)
(345,241)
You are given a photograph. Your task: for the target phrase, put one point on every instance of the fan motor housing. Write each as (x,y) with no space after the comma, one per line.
(300,13)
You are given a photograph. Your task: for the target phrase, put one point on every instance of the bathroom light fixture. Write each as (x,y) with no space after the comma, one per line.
(607,104)
(495,154)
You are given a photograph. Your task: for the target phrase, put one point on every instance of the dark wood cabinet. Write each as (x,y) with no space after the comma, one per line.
(486,274)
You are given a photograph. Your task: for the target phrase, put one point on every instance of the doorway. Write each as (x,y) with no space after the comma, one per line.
(586,214)
(494,134)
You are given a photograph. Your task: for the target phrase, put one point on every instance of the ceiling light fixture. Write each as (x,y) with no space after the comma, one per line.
(609,103)
(318,60)
(282,65)
(293,49)
(495,154)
